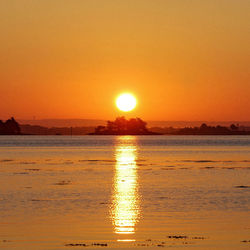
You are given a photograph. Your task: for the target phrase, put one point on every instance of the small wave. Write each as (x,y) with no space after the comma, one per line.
(64,182)
(27,162)
(97,160)
(199,161)
(167,168)
(242,186)
(21,173)
(211,161)
(6,160)
(37,200)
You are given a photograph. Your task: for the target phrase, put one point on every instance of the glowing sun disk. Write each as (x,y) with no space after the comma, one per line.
(126,102)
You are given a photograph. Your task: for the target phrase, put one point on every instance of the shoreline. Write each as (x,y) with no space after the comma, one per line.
(93,134)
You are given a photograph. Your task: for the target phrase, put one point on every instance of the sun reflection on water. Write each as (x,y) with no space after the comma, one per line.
(125,204)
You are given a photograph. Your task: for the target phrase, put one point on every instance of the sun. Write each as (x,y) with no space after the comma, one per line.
(126,102)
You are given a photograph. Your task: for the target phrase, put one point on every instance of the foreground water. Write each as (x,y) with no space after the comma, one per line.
(59,192)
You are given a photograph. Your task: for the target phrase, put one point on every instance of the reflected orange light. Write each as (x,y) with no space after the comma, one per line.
(125,206)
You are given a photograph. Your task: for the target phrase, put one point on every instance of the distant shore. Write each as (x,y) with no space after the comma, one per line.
(120,126)
(93,134)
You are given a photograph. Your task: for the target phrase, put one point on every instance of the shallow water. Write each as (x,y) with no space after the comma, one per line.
(62,192)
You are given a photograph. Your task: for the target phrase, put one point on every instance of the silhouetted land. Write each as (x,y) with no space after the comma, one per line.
(41,130)
(204,130)
(67,123)
(122,126)
(9,127)
(136,126)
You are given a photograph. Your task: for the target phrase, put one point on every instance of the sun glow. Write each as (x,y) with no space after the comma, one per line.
(126,102)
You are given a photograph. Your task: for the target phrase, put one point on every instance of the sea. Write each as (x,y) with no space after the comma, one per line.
(125,192)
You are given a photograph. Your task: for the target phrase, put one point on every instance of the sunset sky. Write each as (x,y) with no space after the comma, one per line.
(182,59)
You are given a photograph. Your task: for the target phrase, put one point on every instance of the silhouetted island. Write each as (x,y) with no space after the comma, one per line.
(122,126)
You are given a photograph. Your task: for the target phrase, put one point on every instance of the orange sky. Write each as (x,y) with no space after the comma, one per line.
(183,59)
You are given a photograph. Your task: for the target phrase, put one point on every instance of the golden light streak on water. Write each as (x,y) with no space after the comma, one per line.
(125,205)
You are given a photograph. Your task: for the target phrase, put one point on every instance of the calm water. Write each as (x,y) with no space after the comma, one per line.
(124,191)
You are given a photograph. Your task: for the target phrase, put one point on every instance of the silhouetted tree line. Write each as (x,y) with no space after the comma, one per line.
(9,127)
(122,126)
(204,129)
